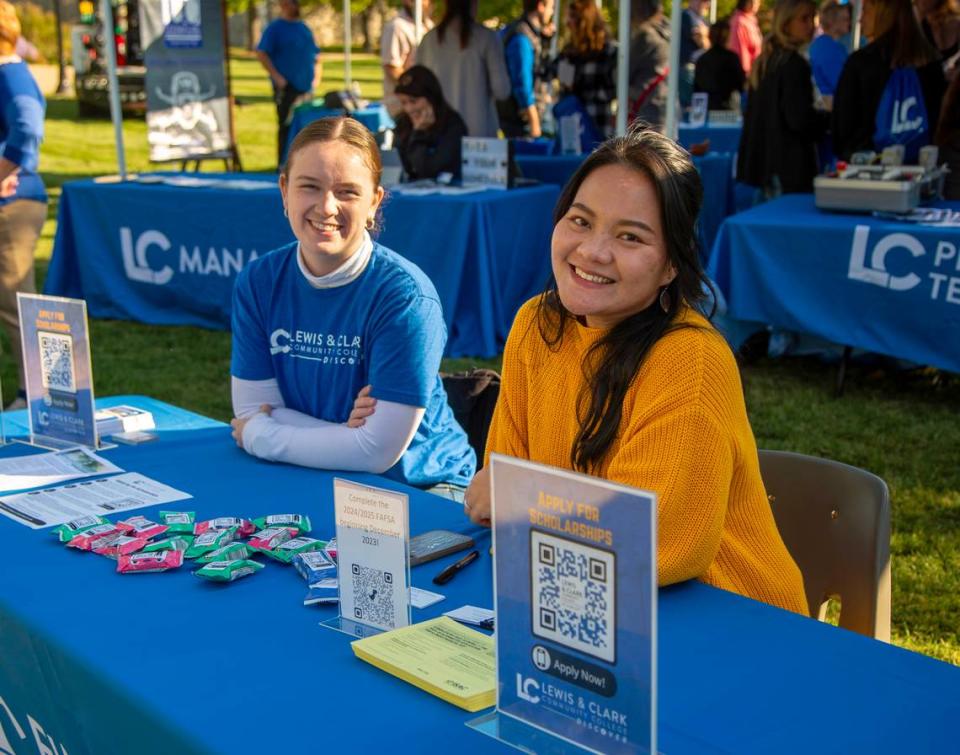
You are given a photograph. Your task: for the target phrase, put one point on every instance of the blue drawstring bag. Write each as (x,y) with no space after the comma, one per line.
(590,136)
(902,115)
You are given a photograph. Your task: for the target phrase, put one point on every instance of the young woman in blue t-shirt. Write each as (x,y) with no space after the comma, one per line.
(334,316)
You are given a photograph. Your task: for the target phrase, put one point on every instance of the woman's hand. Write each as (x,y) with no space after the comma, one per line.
(363,406)
(238,424)
(8,186)
(476,504)
(423,117)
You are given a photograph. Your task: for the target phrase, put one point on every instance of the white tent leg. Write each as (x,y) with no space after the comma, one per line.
(116,114)
(347,37)
(623,67)
(673,77)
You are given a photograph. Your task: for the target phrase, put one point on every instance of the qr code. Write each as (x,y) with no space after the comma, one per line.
(573,595)
(56,362)
(373,596)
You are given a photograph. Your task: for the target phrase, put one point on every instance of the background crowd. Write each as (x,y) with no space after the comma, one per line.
(806,95)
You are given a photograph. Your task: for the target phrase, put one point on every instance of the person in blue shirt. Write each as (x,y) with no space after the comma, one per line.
(523,50)
(827,52)
(289,54)
(335,317)
(23,199)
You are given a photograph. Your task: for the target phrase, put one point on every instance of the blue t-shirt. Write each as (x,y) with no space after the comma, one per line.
(291,49)
(21,128)
(383,329)
(827,57)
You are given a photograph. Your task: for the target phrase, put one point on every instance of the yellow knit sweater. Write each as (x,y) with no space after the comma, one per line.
(684,435)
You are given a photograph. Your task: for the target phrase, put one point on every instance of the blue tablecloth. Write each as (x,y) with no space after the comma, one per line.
(723,138)
(166,663)
(163,254)
(716,172)
(375,117)
(879,285)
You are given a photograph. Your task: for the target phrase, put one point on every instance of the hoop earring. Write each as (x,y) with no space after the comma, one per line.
(665,299)
(285,212)
(371,223)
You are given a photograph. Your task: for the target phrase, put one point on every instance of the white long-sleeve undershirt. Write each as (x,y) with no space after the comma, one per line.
(296,438)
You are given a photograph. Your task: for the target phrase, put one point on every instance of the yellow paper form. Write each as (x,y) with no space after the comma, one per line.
(440,656)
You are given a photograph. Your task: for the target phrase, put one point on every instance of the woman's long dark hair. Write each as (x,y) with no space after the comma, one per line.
(462,10)
(613,362)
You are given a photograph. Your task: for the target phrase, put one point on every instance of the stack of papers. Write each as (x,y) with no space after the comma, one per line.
(453,662)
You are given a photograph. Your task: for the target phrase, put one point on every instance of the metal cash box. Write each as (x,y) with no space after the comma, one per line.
(869,188)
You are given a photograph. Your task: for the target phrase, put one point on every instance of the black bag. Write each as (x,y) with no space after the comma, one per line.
(473,396)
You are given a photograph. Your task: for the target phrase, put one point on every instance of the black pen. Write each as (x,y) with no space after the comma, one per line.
(447,574)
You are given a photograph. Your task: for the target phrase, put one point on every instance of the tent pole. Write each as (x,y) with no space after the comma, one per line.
(673,77)
(116,114)
(347,37)
(623,66)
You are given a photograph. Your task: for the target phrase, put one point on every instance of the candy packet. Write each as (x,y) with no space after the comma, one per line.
(140,526)
(244,526)
(88,538)
(301,522)
(66,532)
(314,566)
(228,571)
(118,544)
(175,543)
(231,552)
(331,549)
(267,540)
(179,521)
(210,541)
(148,563)
(285,552)
(324,591)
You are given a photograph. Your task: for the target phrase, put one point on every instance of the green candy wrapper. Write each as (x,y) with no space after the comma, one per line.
(228,571)
(176,543)
(66,532)
(178,521)
(300,522)
(285,552)
(210,541)
(232,552)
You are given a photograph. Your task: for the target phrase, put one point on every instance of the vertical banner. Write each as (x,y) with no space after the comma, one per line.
(188,111)
(57,370)
(575,598)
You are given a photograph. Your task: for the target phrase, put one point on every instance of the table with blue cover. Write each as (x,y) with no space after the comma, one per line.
(106,664)
(168,255)
(875,284)
(375,117)
(724,137)
(716,172)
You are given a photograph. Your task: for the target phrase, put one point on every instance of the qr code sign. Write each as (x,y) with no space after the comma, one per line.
(56,362)
(373,596)
(573,588)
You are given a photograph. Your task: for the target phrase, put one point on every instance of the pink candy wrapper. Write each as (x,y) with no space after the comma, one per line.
(85,541)
(140,526)
(146,563)
(244,526)
(118,544)
(269,539)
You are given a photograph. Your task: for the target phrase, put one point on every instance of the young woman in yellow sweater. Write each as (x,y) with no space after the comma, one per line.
(613,372)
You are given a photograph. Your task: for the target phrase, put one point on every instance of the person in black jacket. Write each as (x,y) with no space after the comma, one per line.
(718,71)
(428,132)
(781,128)
(898,42)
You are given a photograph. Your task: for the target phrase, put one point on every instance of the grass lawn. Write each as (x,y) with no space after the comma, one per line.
(900,425)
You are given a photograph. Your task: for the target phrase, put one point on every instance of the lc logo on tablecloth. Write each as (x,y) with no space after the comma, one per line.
(946,260)
(191,260)
(46,744)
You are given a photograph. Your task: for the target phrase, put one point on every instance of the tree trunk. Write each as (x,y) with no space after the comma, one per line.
(366,17)
(251,24)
